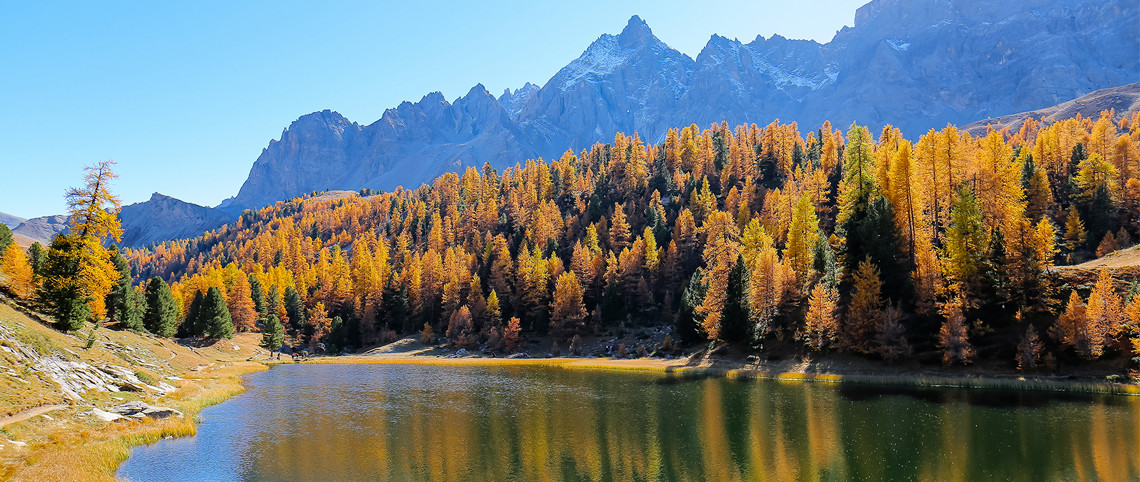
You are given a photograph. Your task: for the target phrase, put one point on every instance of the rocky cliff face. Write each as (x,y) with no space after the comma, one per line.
(164,218)
(916,64)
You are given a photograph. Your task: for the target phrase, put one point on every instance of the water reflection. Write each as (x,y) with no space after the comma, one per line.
(327,422)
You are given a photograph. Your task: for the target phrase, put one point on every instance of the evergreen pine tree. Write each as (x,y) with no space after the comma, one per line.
(257,294)
(192,322)
(60,293)
(689,319)
(735,314)
(873,235)
(119,300)
(161,312)
(5,237)
(294,309)
(36,256)
(272,334)
(216,315)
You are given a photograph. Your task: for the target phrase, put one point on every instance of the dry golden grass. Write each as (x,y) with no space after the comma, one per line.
(71,444)
(79,448)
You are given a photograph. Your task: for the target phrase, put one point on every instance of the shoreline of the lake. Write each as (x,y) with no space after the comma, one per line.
(82,454)
(143,433)
(762,370)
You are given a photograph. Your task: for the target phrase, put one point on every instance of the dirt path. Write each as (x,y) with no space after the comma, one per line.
(29,413)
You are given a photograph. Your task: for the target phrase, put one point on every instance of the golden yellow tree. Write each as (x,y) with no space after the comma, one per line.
(767,279)
(567,311)
(93,219)
(319,319)
(821,324)
(802,236)
(16,273)
(619,229)
(722,246)
(1075,233)
(865,313)
(460,328)
(241,306)
(952,337)
(998,181)
(1104,314)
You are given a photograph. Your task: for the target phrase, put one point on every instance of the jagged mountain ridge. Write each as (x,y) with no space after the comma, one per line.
(916,64)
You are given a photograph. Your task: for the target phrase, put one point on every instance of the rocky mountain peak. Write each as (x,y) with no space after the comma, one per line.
(915,64)
(635,34)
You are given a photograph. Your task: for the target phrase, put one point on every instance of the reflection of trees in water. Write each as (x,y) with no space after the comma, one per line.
(593,426)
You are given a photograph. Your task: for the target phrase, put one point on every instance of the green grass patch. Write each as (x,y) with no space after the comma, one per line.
(37,341)
(146,378)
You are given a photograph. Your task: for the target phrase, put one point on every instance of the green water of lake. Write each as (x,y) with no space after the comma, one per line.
(403,422)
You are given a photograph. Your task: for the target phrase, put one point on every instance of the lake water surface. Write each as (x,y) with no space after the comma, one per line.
(406,422)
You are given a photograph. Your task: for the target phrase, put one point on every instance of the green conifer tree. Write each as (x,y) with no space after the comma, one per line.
(60,293)
(689,319)
(735,313)
(120,299)
(36,256)
(161,316)
(216,315)
(294,309)
(192,325)
(272,334)
(5,237)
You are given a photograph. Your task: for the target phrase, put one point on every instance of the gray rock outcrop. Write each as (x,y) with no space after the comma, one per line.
(139,409)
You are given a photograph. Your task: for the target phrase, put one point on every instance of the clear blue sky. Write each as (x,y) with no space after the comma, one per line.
(185,95)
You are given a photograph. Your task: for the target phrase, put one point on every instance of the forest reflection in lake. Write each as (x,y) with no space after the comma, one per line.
(406,422)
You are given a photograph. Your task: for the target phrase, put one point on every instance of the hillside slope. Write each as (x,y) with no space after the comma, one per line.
(1125,100)
(10,220)
(51,387)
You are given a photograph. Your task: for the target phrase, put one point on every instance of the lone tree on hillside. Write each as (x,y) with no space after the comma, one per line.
(78,272)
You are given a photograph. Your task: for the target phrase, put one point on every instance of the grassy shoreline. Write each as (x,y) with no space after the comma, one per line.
(747,371)
(79,449)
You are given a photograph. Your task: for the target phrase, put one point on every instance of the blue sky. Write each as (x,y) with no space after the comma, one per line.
(185,95)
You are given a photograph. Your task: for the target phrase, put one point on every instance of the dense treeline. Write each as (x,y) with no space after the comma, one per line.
(750,235)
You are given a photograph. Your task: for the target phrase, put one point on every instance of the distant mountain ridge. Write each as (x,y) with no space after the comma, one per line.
(43,228)
(161,218)
(917,64)
(1125,100)
(10,220)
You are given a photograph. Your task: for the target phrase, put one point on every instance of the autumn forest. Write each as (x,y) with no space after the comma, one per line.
(943,248)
